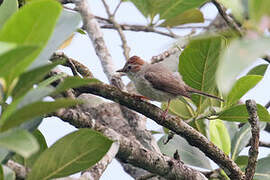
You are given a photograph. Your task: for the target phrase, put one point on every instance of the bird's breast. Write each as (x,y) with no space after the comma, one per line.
(145,88)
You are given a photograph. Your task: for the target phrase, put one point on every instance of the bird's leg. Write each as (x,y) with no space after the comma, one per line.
(164,113)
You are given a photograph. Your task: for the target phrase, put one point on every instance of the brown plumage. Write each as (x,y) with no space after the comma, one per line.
(156,82)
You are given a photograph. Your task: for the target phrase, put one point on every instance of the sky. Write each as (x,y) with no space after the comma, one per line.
(142,44)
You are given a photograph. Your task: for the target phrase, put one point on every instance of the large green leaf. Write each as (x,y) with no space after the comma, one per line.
(66,24)
(146,7)
(258,70)
(19,141)
(198,64)
(33,110)
(241,139)
(73,153)
(237,57)
(241,87)
(189,16)
(258,9)
(179,108)
(189,154)
(29,162)
(171,8)
(7,8)
(32,25)
(238,113)
(262,170)
(29,78)
(73,82)
(219,135)
(12,62)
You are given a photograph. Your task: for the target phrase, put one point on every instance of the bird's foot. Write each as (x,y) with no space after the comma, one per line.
(143,98)
(164,114)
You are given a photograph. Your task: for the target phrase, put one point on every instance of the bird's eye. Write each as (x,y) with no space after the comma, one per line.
(129,67)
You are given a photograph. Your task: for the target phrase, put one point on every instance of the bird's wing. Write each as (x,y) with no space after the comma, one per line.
(166,81)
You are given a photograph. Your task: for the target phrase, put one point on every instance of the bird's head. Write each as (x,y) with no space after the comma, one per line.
(132,66)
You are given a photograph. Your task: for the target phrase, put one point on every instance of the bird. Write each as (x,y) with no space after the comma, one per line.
(158,83)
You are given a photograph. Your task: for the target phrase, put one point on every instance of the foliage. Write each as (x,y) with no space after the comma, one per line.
(28,37)
(213,63)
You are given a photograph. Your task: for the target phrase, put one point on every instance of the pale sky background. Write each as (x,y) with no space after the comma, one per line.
(142,44)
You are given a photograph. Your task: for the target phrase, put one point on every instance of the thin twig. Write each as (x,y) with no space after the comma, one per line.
(73,64)
(231,23)
(136,28)
(125,46)
(117,7)
(254,142)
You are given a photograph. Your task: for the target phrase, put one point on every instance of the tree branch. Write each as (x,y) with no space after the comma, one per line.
(171,122)
(95,34)
(125,46)
(254,142)
(131,151)
(136,28)
(231,23)
(82,69)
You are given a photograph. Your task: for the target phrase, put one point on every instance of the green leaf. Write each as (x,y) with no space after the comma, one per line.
(19,141)
(236,8)
(144,6)
(189,154)
(29,78)
(241,139)
(262,170)
(66,24)
(12,62)
(219,135)
(29,162)
(179,108)
(1,172)
(238,113)
(33,110)
(242,162)
(233,128)
(172,8)
(74,82)
(258,70)
(72,153)
(189,16)
(8,173)
(198,64)
(258,9)
(31,25)
(239,55)
(42,147)
(7,8)
(241,87)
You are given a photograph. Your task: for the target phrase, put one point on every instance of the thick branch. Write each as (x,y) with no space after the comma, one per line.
(171,122)
(94,32)
(131,151)
(254,142)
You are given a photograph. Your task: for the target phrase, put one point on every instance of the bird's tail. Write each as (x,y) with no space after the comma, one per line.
(191,90)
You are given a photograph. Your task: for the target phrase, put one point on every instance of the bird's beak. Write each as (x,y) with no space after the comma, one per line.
(120,70)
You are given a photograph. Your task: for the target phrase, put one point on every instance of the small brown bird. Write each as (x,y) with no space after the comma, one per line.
(156,82)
